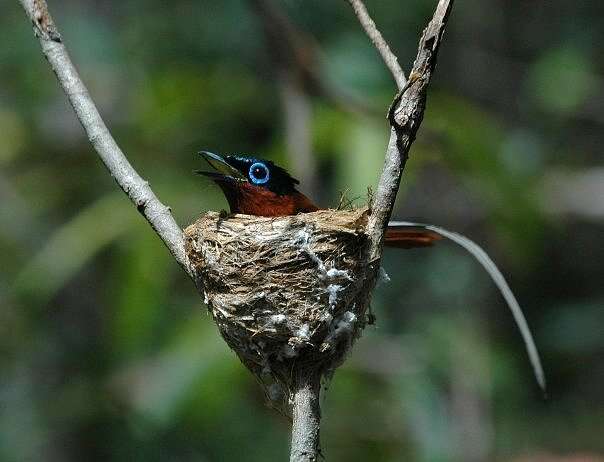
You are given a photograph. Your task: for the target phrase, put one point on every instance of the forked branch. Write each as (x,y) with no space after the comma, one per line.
(306,420)
(406,112)
(405,116)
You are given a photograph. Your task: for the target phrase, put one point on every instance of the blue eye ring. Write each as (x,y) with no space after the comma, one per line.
(254,178)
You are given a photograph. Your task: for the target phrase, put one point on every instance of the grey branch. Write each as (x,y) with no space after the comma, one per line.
(138,190)
(306,414)
(405,116)
(375,35)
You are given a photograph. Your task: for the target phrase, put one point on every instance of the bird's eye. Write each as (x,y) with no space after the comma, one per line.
(259,173)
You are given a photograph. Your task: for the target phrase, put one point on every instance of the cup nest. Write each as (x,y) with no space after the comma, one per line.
(288,294)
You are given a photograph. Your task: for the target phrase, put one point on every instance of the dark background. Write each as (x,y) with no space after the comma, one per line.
(107,352)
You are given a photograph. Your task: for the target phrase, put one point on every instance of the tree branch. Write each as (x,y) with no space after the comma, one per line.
(306,414)
(138,190)
(376,37)
(405,114)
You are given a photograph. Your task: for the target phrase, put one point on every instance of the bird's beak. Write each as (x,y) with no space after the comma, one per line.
(223,170)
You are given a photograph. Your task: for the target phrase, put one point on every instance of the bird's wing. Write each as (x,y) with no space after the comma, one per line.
(481,256)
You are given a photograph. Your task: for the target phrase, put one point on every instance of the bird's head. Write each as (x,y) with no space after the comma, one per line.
(251,185)
(234,172)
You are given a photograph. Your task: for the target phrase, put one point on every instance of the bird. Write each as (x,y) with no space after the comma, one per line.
(259,187)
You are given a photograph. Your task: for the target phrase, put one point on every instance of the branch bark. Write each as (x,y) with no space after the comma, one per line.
(306,414)
(389,58)
(405,114)
(138,190)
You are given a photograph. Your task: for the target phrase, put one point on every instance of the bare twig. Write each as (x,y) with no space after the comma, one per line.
(306,414)
(138,190)
(405,114)
(375,35)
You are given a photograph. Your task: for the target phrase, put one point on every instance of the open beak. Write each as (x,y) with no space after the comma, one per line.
(222,169)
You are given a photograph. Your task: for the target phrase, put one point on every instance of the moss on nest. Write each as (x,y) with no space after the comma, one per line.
(288,294)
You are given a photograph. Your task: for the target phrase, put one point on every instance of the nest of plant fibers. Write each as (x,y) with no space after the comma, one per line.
(288,294)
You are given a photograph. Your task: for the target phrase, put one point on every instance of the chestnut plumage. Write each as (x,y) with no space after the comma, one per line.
(258,187)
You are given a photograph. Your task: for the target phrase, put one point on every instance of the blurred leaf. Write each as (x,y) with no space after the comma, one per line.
(142,295)
(156,386)
(361,156)
(172,115)
(576,328)
(474,141)
(18,414)
(562,80)
(354,52)
(73,245)
(13,139)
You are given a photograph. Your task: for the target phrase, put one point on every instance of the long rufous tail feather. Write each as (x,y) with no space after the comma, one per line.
(409,237)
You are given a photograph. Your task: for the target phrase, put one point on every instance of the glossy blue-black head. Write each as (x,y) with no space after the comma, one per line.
(229,171)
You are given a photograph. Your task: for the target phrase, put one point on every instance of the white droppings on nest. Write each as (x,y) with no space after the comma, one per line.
(336,273)
(343,326)
(345,323)
(332,290)
(293,283)
(303,332)
(277,319)
(304,238)
(326,317)
(384,277)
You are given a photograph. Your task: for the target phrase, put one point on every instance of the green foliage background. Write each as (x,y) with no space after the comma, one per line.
(108,352)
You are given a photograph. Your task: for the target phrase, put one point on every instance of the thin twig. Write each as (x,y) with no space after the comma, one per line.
(306,415)
(405,116)
(138,190)
(376,37)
